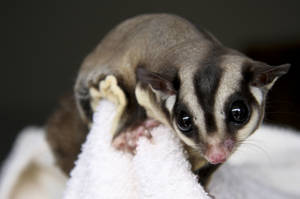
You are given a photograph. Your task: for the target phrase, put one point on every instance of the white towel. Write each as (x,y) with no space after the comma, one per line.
(267,166)
(158,170)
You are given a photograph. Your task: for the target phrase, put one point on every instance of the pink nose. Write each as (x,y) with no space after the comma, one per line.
(216,154)
(216,158)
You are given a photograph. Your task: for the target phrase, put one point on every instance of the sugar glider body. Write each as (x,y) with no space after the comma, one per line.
(212,96)
(159,43)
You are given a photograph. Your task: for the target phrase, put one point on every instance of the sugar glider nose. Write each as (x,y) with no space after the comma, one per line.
(217,157)
(217,153)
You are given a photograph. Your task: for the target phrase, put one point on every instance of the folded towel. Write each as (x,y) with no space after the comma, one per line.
(266,166)
(158,170)
(30,172)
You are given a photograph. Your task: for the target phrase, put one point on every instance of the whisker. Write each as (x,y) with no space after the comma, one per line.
(254,145)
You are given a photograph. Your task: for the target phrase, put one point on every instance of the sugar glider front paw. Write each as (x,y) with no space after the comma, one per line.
(109,89)
(89,91)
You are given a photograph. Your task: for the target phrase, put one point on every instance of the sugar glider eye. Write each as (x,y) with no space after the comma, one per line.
(184,123)
(238,112)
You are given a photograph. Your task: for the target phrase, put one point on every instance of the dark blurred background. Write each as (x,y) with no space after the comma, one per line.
(44,42)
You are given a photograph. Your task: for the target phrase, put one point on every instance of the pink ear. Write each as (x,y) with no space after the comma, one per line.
(156,81)
(264,74)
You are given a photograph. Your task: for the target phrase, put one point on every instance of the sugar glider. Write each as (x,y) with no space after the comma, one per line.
(213,97)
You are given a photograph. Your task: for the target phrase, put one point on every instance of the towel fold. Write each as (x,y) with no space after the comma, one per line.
(266,166)
(159,168)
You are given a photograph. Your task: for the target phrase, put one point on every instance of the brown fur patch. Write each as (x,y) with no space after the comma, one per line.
(65,133)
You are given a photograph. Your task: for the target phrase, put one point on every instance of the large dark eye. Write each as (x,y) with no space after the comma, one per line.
(238,112)
(184,122)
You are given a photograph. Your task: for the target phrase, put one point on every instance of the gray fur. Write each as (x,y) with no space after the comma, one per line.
(173,50)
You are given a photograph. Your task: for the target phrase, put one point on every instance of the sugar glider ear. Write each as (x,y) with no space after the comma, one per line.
(163,92)
(157,82)
(264,75)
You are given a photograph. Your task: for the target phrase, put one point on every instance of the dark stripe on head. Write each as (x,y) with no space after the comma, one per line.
(206,83)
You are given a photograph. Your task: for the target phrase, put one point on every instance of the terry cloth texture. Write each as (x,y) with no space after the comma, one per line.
(265,166)
(158,170)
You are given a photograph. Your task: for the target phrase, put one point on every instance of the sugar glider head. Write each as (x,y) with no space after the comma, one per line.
(214,106)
